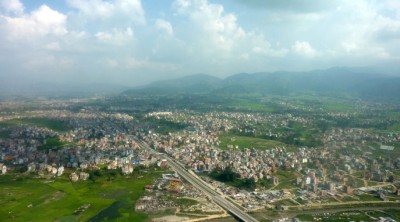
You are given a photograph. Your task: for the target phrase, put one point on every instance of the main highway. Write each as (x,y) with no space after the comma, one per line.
(205,188)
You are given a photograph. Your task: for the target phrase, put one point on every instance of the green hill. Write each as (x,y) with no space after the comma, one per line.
(357,82)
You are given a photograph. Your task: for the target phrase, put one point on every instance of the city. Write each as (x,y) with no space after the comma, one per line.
(261,162)
(199,110)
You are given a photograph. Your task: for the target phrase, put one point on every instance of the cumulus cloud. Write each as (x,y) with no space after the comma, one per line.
(40,22)
(219,28)
(116,36)
(362,30)
(12,6)
(260,46)
(294,5)
(119,10)
(88,38)
(304,48)
(45,30)
(164,26)
(218,33)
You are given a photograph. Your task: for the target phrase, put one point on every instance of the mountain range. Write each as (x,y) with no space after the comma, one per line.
(359,82)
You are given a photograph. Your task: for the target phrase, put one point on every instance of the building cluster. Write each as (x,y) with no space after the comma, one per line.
(360,139)
(99,138)
(321,171)
(81,149)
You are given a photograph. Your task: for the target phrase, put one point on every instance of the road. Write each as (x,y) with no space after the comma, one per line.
(203,186)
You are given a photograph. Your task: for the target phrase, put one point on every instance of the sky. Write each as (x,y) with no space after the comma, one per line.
(134,42)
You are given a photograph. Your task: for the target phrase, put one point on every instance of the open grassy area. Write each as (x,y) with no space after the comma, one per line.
(395,127)
(372,183)
(286,179)
(61,200)
(4,134)
(348,199)
(338,107)
(394,213)
(248,142)
(343,216)
(253,106)
(285,202)
(52,143)
(185,202)
(164,126)
(53,124)
(368,197)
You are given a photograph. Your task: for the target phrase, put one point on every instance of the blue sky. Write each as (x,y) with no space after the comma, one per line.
(133,42)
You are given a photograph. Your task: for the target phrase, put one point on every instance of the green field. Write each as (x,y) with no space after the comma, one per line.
(286,179)
(111,196)
(248,142)
(52,143)
(344,216)
(338,107)
(53,124)
(4,134)
(357,215)
(394,213)
(395,127)
(164,126)
(368,197)
(250,106)
(185,202)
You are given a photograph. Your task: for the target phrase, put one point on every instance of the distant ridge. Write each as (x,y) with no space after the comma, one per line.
(188,81)
(358,82)
(198,83)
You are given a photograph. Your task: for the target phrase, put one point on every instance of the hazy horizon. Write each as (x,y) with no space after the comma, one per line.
(134,42)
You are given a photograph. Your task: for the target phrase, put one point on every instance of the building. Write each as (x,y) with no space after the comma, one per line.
(74,177)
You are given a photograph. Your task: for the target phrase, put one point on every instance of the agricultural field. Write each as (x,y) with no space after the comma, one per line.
(338,107)
(248,142)
(53,124)
(4,134)
(107,196)
(251,106)
(350,216)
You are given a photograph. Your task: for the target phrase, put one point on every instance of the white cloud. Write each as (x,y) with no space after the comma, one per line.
(133,62)
(216,42)
(116,36)
(41,22)
(49,21)
(101,36)
(262,47)
(218,29)
(33,42)
(12,6)
(44,30)
(365,33)
(295,5)
(53,46)
(164,26)
(217,34)
(304,48)
(125,11)
(110,23)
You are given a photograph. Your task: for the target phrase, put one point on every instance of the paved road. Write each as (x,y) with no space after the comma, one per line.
(203,186)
